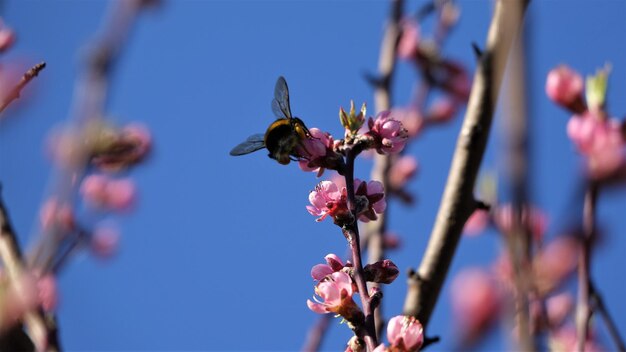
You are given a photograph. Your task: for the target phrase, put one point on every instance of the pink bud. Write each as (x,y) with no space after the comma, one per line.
(405,333)
(54,214)
(383,271)
(7,38)
(48,295)
(105,241)
(564,86)
(410,118)
(476,223)
(389,134)
(402,171)
(409,40)
(442,110)
(102,191)
(475,301)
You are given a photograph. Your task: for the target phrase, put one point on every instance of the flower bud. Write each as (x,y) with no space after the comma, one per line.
(352,122)
(389,135)
(564,86)
(382,272)
(405,333)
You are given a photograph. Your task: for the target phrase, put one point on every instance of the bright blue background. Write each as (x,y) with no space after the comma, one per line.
(218,252)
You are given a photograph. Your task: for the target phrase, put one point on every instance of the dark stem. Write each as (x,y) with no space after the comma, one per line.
(600,307)
(583,310)
(351,232)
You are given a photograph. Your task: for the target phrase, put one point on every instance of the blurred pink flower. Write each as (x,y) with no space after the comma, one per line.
(104,192)
(48,295)
(600,140)
(374,192)
(105,241)
(564,86)
(389,134)
(565,339)
(410,118)
(476,302)
(555,262)
(7,37)
(402,170)
(532,217)
(405,333)
(54,215)
(442,110)
(409,40)
(477,222)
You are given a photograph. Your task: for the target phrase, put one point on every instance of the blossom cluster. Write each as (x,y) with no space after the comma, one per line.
(597,136)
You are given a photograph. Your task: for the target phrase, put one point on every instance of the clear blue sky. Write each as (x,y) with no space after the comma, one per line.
(218,253)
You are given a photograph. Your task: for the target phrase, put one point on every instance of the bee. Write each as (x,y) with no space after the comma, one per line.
(283,135)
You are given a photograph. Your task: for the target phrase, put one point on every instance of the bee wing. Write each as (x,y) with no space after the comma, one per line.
(280,104)
(252,144)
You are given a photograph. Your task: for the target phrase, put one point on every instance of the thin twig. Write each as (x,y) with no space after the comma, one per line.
(316,334)
(15,92)
(351,232)
(458,202)
(583,309)
(600,307)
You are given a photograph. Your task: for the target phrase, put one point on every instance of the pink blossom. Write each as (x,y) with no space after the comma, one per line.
(558,307)
(442,110)
(48,295)
(600,140)
(374,192)
(140,134)
(566,339)
(405,333)
(102,191)
(335,294)
(389,134)
(7,37)
(392,240)
(105,241)
(476,301)
(411,119)
(477,222)
(334,263)
(53,214)
(409,40)
(555,262)
(325,200)
(533,218)
(314,150)
(564,86)
(380,348)
(402,171)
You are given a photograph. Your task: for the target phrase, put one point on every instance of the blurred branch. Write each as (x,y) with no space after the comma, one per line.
(15,92)
(519,239)
(458,201)
(42,335)
(89,105)
(375,230)
(316,334)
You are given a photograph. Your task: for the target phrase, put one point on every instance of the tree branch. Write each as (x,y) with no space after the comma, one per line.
(458,202)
